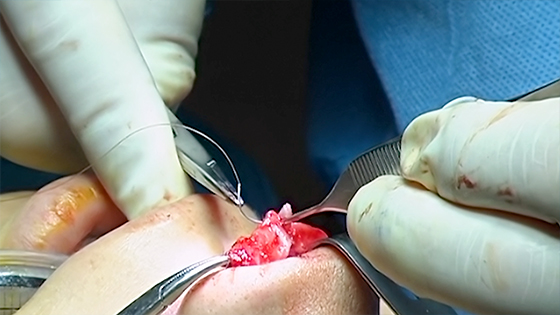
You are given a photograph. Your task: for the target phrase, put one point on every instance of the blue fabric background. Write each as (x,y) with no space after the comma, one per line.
(377,64)
(425,53)
(428,52)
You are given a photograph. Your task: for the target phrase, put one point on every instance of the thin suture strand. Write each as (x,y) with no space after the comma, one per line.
(200,133)
(70,177)
(230,163)
(213,142)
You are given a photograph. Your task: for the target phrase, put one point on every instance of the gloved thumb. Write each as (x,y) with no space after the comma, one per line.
(91,64)
(495,155)
(485,262)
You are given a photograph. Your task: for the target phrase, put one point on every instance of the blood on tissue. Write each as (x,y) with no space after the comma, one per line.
(274,239)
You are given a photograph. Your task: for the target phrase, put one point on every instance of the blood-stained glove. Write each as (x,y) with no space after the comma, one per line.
(80,76)
(473,221)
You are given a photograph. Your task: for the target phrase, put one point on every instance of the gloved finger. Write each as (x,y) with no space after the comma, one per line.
(486,262)
(61,216)
(167,34)
(33,131)
(497,155)
(86,55)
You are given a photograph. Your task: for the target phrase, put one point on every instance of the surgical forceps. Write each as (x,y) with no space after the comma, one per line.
(163,294)
(382,159)
(203,168)
(196,162)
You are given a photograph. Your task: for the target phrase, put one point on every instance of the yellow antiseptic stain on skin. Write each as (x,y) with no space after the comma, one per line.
(62,212)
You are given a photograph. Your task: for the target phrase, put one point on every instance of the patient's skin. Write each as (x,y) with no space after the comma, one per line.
(105,276)
(318,283)
(59,217)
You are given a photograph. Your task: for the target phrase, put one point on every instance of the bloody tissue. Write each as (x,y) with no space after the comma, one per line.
(274,239)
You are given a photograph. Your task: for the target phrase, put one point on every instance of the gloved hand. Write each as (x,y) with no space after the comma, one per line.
(473,222)
(79,76)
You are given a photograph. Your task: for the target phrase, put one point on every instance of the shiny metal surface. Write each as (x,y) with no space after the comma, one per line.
(21,274)
(196,162)
(401,302)
(380,160)
(163,294)
(384,160)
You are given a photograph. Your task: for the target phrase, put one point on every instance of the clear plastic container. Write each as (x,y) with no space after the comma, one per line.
(21,274)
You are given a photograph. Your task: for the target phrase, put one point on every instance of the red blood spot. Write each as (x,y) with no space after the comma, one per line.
(273,240)
(464,180)
(505,192)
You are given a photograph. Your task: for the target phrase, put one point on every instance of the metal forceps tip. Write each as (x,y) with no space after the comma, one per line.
(196,162)
(163,294)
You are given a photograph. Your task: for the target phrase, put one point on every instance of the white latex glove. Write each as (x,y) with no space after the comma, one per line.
(79,76)
(431,231)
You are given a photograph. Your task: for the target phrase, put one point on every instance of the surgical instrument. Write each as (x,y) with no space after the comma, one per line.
(203,168)
(401,302)
(384,159)
(22,272)
(163,294)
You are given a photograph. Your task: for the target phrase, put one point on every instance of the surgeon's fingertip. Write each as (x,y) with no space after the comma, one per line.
(416,157)
(416,137)
(173,70)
